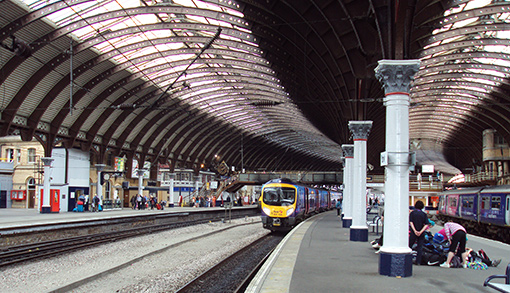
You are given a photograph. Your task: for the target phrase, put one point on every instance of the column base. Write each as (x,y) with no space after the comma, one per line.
(359,234)
(346,223)
(45,210)
(395,264)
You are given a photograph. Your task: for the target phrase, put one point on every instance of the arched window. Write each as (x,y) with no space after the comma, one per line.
(31,183)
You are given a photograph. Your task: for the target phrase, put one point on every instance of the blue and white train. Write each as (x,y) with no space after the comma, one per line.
(284,203)
(481,210)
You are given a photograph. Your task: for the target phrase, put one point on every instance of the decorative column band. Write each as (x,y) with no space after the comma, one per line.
(396,75)
(360,139)
(396,93)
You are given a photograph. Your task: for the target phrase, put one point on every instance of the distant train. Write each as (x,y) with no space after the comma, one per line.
(482,210)
(284,203)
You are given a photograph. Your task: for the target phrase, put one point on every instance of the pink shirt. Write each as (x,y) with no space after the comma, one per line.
(450,228)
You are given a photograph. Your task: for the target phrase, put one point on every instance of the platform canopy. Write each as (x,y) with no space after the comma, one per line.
(260,85)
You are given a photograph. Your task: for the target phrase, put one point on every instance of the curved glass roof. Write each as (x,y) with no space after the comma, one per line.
(171,45)
(464,64)
(184,80)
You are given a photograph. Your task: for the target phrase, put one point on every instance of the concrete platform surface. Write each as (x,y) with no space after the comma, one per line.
(10,218)
(317,256)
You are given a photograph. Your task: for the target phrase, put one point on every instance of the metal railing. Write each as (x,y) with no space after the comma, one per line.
(482,176)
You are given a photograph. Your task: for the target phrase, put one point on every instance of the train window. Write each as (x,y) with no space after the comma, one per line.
(496,202)
(279,196)
(467,203)
(485,202)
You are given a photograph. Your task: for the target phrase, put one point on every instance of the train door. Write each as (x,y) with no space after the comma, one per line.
(317,200)
(329,205)
(507,216)
(307,201)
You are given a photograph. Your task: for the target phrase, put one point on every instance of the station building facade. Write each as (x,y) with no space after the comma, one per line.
(74,174)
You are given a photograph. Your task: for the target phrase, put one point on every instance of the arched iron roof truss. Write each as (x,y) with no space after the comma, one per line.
(153,79)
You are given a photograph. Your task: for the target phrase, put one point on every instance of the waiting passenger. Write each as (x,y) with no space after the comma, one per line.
(139,201)
(418,223)
(338,207)
(95,203)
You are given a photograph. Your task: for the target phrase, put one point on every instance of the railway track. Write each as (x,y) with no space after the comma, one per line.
(22,253)
(233,274)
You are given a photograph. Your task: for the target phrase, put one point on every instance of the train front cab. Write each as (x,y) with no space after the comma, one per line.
(282,206)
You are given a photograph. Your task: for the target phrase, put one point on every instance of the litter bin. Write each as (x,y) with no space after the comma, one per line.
(79,206)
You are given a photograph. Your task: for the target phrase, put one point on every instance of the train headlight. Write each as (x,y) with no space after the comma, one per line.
(290,211)
(266,210)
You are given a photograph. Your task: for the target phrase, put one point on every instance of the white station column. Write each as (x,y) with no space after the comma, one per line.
(359,229)
(344,179)
(46,207)
(140,173)
(395,257)
(171,198)
(99,186)
(347,194)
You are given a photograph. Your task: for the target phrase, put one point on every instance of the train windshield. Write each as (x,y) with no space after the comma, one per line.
(279,196)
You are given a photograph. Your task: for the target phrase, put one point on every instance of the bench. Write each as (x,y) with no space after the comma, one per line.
(499,286)
(375,224)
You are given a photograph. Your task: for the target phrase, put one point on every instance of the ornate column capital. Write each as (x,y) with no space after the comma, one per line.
(47,161)
(100,167)
(140,172)
(360,129)
(348,150)
(396,75)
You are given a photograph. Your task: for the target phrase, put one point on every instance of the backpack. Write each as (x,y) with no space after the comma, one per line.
(482,254)
(456,262)
(438,238)
(432,259)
